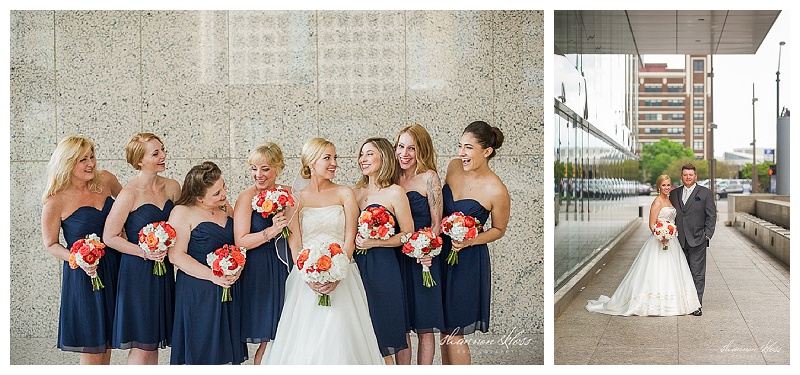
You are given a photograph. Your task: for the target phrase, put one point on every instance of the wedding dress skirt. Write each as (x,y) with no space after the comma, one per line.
(310,334)
(658,283)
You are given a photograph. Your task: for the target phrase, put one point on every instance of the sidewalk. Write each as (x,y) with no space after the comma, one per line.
(745,313)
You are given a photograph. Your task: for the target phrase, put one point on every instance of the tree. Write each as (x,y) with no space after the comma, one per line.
(658,156)
(763,176)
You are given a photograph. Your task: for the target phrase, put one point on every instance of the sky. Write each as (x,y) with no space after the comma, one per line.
(734,76)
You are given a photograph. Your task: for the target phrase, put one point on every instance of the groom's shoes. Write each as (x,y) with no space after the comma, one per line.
(697,312)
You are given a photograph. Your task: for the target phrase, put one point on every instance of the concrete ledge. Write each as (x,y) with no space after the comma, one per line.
(774,211)
(772,238)
(747,202)
(564,295)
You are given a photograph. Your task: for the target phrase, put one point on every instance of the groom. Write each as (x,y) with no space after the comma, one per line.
(697,217)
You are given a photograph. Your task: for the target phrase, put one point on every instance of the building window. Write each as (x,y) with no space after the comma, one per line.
(652,103)
(698,145)
(698,116)
(652,88)
(698,65)
(675,102)
(674,88)
(698,102)
(652,117)
(698,88)
(698,130)
(652,131)
(674,130)
(675,116)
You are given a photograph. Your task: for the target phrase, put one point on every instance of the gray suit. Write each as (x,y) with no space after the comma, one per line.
(696,221)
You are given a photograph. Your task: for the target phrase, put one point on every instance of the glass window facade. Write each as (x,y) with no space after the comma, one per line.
(698,88)
(698,102)
(652,88)
(698,130)
(652,103)
(675,102)
(652,116)
(675,116)
(674,88)
(595,169)
(698,116)
(698,65)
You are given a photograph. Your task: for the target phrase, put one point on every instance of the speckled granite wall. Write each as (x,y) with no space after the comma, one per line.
(214,84)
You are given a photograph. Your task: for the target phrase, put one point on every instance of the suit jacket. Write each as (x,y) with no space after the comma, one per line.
(697,218)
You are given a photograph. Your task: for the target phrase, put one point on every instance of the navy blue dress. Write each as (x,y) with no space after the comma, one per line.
(467,285)
(145,302)
(207,331)
(425,312)
(86,317)
(383,284)
(263,284)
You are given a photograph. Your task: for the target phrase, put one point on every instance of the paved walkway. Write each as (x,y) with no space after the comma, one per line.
(745,313)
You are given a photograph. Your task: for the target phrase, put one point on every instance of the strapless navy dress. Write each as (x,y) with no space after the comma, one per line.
(86,317)
(380,272)
(207,331)
(263,284)
(467,284)
(425,312)
(145,302)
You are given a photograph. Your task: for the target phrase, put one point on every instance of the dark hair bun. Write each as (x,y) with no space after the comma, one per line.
(498,137)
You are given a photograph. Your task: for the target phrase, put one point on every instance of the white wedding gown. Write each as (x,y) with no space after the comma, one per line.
(658,283)
(309,334)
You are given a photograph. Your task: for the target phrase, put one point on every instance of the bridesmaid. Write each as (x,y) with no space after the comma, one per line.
(263,279)
(474,189)
(206,330)
(78,199)
(380,268)
(145,302)
(420,179)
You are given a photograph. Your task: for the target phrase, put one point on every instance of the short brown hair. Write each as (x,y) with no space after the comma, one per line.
(689,166)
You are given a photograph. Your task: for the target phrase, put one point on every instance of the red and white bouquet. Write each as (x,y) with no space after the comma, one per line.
(375,222)
(157,237)
(459,227)
(665,230)
(421,243)
(272,201)
(226,261)
(323,263)
(86,252)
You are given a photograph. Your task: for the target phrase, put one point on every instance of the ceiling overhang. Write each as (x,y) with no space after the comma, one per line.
(661,32)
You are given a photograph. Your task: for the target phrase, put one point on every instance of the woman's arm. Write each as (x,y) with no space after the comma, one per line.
(435,201)
(111,181)
(51,228)
(501,212)
(115,224)
(350,219)
(180,220)
(242,216)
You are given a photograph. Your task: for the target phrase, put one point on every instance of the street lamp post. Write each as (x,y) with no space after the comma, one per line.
(754,176)
(713,162)
(778,83)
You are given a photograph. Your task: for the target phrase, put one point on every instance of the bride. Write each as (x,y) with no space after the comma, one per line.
(307,333)
(659,281)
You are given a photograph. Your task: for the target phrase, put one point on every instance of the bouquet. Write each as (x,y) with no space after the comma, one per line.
(665,230)
(419,244)
(272,201)
(157,237)
(226,261)
(459,227)
(375,222)
(86,252)
(323,263)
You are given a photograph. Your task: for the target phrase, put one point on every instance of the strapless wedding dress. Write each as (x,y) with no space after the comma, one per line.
(309,334)
(658,283)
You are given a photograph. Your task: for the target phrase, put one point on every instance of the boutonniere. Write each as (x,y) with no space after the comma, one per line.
(696,198)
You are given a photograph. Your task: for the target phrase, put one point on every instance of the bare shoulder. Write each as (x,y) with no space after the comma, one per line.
(344,191)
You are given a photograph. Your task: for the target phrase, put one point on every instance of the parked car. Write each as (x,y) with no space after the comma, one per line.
(731,188)
(644,189)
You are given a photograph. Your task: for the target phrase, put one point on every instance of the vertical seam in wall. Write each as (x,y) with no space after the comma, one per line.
(141,71)
(228,87)
(318,99)
(405,69)
(494,72)
(55,81)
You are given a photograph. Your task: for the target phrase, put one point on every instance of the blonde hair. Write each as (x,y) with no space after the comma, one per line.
(312,151)
(426,155)
(134,150)
(389,172)
(270,153)
(661,179)
(64,159)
